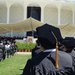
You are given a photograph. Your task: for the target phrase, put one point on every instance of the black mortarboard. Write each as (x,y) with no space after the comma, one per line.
(69,42)
(46,31)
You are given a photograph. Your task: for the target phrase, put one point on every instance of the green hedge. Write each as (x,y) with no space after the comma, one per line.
(25,46)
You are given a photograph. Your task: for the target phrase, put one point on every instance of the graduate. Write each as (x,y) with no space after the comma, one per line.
(68,46)
(47,62)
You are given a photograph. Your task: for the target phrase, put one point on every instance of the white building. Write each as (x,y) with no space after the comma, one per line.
(54,12)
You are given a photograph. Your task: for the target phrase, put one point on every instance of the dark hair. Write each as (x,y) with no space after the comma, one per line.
(46,43)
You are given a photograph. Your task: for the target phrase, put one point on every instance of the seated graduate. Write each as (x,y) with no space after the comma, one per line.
(68,46)
(45,62)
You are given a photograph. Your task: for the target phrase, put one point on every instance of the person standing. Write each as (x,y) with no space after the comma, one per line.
(7,48)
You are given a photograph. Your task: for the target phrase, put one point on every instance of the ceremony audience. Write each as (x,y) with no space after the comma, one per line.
(7,48)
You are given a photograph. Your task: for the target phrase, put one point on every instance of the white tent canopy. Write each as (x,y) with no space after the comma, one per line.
(67,30)
(31,24)
(26,25)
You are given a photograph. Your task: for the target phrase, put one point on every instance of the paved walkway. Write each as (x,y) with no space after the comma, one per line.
(23,52)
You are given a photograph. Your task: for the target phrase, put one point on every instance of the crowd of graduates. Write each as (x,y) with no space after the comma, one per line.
(7,48)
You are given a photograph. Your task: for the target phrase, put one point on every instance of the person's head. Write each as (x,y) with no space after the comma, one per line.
(68,44)
(46,37)
(46,44)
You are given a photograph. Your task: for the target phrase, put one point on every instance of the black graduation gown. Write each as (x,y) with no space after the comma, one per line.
(73,58)
(43,64)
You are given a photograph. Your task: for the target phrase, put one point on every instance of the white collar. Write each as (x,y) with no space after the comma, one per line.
(50,50)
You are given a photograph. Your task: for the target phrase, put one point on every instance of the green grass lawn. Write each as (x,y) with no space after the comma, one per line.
(13,65)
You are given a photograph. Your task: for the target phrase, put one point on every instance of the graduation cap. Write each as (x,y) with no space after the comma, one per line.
(46,31)
(69,42)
